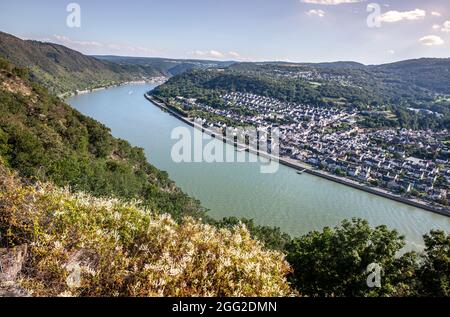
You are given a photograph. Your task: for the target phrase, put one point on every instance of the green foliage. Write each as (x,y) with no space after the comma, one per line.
(167,67)
(5,64)
(206,86)
(4,148)
(362,88)
(63,70)
(411,120)
(272,237)
(84,246)
(21,72)
(334,262)
(434,274)
(46,139)
(427,73)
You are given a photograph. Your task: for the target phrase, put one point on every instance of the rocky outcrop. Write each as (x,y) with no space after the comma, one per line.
(11,289)
(11,263)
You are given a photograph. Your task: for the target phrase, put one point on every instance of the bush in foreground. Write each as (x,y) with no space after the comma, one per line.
(85,246)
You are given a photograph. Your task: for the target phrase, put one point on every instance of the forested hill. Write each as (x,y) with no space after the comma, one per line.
(428,73)
(44,138)
(62,69)
(386,92)
(432,74)
(168,67)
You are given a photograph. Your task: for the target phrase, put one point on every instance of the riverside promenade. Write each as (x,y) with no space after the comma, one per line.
(299,166)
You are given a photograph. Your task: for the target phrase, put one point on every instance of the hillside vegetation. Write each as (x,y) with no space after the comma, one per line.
(62,70)
(429,73)
(99,220)
(79,245)
(385,88)
(84,246)
(166,66)
(44,138)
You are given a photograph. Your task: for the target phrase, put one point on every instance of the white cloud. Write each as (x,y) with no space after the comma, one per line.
(330,2)
(204,54)
(214,54)
(390,52)
(446,27)
(313,12)
(234,54)
(431,40)
(397,16)
(436,14)
(92,47)
(436,27)
(67,41)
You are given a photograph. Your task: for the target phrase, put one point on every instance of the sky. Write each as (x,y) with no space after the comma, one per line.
(369,32)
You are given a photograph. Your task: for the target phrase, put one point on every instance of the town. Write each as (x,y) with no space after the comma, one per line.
(412,164)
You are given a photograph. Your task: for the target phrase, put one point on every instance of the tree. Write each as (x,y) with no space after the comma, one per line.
(272,237)
(434,274)
(334,262)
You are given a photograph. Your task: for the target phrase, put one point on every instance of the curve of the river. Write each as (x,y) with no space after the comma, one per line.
(295,203)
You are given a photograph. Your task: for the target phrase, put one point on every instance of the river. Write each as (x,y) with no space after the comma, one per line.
(295,203)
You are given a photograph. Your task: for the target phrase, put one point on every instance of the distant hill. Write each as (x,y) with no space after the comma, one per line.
(387,92)
(431,74)
(428,73)
(62,69)
(337,65)
(169,67)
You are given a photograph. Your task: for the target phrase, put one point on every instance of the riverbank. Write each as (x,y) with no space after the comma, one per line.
(155,80)
(300,166)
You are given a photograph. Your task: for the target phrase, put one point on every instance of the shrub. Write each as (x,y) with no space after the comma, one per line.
(85,246)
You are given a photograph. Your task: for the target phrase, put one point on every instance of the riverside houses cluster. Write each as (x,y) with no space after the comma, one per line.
(329,139)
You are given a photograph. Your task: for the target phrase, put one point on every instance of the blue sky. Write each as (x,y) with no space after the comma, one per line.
(256,30)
